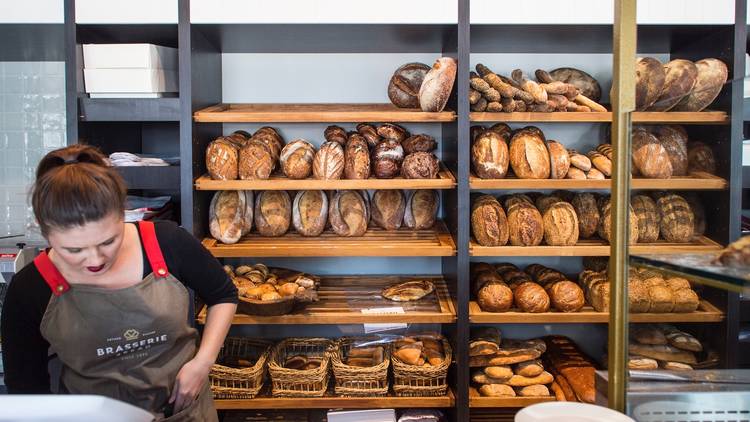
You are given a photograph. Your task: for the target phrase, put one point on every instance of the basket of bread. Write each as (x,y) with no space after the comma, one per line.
(240,368)
(271,291)
(360,366)
(420,365)
(299,367)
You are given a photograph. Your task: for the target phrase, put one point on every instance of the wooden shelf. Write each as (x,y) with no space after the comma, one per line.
(129,109)
(702,117)
(343,297)
(317,113)
(594,248)
(696,181)
(476,400)
(332,402)
(151,177)
(436,241)
(706,312)
(445,180)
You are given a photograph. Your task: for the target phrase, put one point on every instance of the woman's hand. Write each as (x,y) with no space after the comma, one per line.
(189,382)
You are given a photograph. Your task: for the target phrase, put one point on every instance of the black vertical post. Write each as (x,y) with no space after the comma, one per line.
(71,72)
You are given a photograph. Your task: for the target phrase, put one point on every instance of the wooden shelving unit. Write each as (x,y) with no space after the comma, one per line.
(477,400)
(316,113)
(436,241)
(696,181)
(677,117)
(594,248)
(445,180)
(342,299)
(333,402)
(706,312)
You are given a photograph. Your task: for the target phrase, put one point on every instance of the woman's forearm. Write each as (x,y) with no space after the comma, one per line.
(218,321)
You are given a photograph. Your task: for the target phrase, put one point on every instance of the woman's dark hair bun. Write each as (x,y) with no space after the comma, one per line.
(78,153)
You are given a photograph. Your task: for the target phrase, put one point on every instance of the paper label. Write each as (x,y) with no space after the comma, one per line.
(388,326)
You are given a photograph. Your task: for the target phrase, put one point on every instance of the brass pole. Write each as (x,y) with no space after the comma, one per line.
(623,103)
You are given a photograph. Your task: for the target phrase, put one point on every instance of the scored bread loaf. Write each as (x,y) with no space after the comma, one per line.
(531,297)
(489,223)
(560,224)
(680,77)
(273,212)
(525,224)
(256,160)
(328,163)
(310,212)
(529,156)
(676,218)
(649,82)
(601,163)
(605,223)
(650,157)
(566,296)
(587,212)
(649,218)
(356,158)
(437,85)
(349,213)
(712,74)
(227,215)
(222,159)
(421,210)
(701,158)
(489,155)
(559,159)
(388,207)
(297,158)
(674,140)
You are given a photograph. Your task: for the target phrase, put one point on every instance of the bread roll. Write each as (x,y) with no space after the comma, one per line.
(489,155)
(649,82)
(650,157)
(559,160)
(273,212)
(421,208)
(536,390)
(498,372)
(496,390)
(388,207)
(602,163)
(676,218)
(525,224)
(297,159)
(575,173)
(227,216)
(328,163)
(560,225)
(674,140)
(489,224)
(437,85)
(530,368)
(529,157)
(356,158)
(587,212)
(605,223)
(701,158)
(420,165)
(222,158)
(579,161)
(521,381)
(335,134)
(403,88)
(349,213)
(566,296)
(419,143)
(649,218)
(386,160)
(642,364)
(712,74)
(310,212)
(256,160)
(679,80)
(531,297)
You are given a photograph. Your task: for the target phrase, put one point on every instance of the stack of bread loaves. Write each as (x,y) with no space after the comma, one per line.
(662,346)
(348,212)
(417,85)
(507,368)
(680,85)
(574,372)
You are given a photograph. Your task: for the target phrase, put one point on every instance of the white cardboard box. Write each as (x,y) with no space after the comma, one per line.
(130,80)
(138,56)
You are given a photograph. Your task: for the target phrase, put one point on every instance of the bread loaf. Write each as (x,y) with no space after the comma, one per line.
(349,213)
(560,225)
(674,140)
(649,218)
(297,159)
(605,223)
(489,223)
(579,161)
(489,155)
(605,150)
(393,132)
(534,390)
(328,163)
(575,173)
(676,218)
(525,224)
(437,85)
(585,83)
(272,139)
(496,390)
(587,213)
(649,82)
(273,212)
(679,80)
(403,88)
(335,134)
(386,160)
(701,158)
(531,297)
(227,216)
(499,372)
(495,296)
(559,159)
(356,158)
(310,211)
(387,208)
(256,160)
(238,138)
(602,163)
(543,275)
(650,157)
(419,143)
(566,296)
(222,158)
(475,130)
(712,74)
(530,368)
(529,157)
(421,208)
(420,165)
(369,133)
(543,202)
(699,213)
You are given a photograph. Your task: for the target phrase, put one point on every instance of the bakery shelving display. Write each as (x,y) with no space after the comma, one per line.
(328,402)
(695,181)
(341,300)
(477,400)
(709,117)
(595,247)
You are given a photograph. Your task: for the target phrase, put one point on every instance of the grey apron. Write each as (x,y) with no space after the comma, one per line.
(128,344)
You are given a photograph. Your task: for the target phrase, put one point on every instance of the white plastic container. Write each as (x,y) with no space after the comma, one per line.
(569,411)
(139,56)
(68,408)
(130,81)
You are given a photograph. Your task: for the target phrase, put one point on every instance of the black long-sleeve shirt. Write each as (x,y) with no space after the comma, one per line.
(25,351)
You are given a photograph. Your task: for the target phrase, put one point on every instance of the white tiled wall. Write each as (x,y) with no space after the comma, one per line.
(32,122)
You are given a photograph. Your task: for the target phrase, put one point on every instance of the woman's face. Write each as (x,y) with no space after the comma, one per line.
(90,249)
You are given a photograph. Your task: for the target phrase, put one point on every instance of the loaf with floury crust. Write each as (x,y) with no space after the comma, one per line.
(256,160)
(525,224)
(529,157)
(421,210)
(310,212)
(273,212)
(387,208)
(357,158)
(437,85)
(403,88)
(222,159)
(489,224)
(349,213)
(328,163)
(679,80)
(297,159)
(489,155)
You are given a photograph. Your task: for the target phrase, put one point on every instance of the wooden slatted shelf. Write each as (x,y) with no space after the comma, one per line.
(342,298)
(706,312)
(587,247)
(445,180)
(436,241)
(317,113)
(476,400)
(333,402)
(681,117)
(696,181)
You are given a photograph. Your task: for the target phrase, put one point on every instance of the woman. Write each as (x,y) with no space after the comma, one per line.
(110,298)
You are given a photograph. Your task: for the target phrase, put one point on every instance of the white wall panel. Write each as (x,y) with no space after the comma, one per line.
(31,11)
(130,11)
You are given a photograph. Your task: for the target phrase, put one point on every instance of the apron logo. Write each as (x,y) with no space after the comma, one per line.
(131,334)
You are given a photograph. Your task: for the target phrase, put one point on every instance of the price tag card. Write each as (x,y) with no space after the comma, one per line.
(389,326)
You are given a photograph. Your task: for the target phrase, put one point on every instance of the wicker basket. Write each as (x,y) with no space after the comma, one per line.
(357,381)
(420,381)
(296,382)
(240,383)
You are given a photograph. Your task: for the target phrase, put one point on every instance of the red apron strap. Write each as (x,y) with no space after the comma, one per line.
(153,251)
(50,274)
